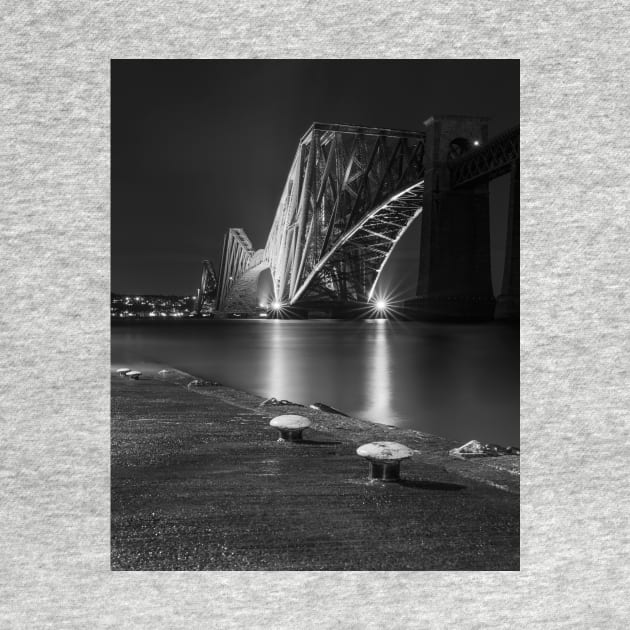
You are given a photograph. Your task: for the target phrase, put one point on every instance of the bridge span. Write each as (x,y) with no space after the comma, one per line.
(350,195)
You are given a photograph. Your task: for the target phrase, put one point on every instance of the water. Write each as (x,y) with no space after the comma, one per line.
(457,381)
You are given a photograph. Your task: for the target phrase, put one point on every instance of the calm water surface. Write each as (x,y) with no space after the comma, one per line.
(458,381)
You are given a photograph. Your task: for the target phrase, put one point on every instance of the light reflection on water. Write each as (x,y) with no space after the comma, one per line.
(379,384)
(459,381)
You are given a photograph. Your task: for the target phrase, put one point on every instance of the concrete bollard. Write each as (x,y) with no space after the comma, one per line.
(384,459)
(134,374)
(290,427)
(122,371)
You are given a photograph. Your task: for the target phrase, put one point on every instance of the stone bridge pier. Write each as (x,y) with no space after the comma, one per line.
(508,302)
(454,280)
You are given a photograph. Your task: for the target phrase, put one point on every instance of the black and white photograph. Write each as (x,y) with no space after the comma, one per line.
(314,315)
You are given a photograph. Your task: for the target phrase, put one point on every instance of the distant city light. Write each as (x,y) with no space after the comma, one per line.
(262,305)
(381,305)
(476,143)
(141,306)
(276,306)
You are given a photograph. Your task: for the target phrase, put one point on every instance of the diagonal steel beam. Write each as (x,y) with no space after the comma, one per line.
(418,186)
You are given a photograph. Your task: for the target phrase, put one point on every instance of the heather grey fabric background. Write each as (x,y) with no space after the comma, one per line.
(54,174)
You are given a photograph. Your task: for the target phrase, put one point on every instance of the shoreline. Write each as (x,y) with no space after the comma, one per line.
(469,394)
(191,464)
(502,472)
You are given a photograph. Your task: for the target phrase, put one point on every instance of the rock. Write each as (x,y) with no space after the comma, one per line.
(134,374)
(274,402)
(201,383)
(495,449)
(477,449)
(327,409)
(470,449)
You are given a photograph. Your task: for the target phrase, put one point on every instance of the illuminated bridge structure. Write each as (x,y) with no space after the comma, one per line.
(206,293)
(350,195)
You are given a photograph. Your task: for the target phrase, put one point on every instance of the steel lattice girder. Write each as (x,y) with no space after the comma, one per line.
(208,288)
(350,270)
(236,258)
(492,160)
(350,194)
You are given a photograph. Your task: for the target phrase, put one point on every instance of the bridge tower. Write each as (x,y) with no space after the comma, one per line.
(454,280)
(508,302)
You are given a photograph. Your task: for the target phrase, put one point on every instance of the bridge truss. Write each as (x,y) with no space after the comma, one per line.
(206,293)
(350,194)
(492,160)
(235,259)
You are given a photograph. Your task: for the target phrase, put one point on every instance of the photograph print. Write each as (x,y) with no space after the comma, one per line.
(315,315)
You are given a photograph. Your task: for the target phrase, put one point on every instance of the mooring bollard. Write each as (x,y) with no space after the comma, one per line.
(384,459)
(122,371)
(290,427)
(134,374)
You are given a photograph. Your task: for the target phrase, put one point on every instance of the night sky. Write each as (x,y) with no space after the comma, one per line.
(202,146)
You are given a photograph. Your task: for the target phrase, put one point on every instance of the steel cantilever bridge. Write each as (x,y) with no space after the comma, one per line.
(350,195)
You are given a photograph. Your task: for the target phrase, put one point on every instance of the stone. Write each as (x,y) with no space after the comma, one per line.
(495,449)
(328,409)
(477,449)
(470,449)
(274,402)
(290,427)
(201,383)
